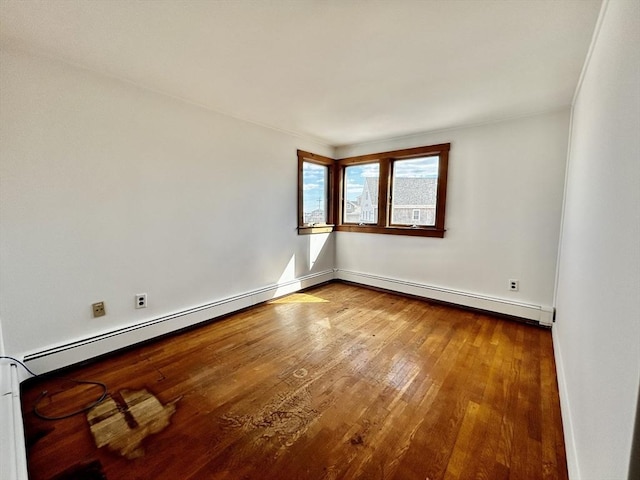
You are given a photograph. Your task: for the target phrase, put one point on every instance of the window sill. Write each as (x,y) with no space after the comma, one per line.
(410,231)
(311,229)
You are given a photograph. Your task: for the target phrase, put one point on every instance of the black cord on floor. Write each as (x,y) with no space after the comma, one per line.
(45,393)
(68,415)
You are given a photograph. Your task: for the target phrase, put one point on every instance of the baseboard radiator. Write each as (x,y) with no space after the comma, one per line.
(13,457)
(535,313)
(77,351)
(70,353)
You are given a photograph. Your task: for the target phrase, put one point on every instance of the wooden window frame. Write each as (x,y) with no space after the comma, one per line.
(335,192)
(385,160)
(330,163)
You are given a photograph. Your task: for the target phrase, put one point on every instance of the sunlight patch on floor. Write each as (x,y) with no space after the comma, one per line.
(300,298)
(325,322)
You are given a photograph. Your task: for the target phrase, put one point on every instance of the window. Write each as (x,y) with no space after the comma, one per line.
(314,198)
(361,193)
(402,192)
(414,187)
(315,206)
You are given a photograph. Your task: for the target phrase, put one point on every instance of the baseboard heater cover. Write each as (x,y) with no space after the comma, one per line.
(537,313)
(13,456)
(70,353)
(74,352)
(565,410)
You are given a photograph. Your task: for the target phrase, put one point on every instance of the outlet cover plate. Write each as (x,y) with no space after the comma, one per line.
(141,300)
(98,309)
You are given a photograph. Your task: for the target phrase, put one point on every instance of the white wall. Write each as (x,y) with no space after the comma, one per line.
(1,340)
(504,200)
(108,190)
(597,333)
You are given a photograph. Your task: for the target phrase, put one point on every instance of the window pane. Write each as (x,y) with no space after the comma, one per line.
(414,191)
(361,193)
(315,181)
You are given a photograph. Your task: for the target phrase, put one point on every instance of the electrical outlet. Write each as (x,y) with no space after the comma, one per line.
(98,309)
(514,285)
(141,300)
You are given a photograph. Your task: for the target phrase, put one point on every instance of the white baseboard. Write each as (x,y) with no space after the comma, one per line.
(538,313)
(13,456)
(73,352)
(565,409)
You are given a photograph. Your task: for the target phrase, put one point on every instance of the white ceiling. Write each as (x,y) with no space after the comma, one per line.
(340,71)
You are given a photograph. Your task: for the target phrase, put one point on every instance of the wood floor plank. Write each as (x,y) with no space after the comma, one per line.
(337,382)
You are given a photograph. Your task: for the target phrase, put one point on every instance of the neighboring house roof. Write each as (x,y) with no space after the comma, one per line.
(371,185)
(406,190)
(414,191)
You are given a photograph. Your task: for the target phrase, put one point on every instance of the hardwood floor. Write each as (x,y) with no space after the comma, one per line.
(338,382)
